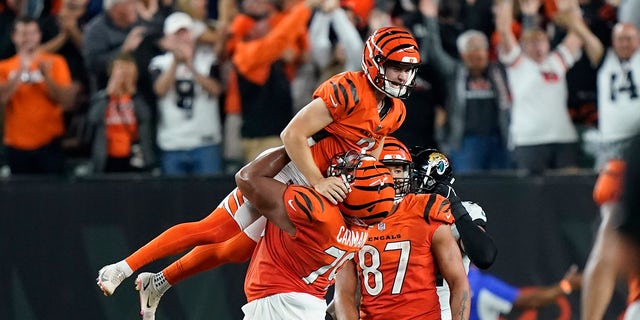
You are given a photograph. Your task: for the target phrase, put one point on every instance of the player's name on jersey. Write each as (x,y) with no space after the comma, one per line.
(352,238)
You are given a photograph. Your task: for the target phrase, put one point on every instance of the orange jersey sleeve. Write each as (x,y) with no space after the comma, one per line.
(356,122)
(396,267)
(308,261)
(440,210)
(253,59)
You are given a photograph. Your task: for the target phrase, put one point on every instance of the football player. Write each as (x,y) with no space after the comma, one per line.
(609,249)
(396,270)
(432,173)
(363,108)
(308,239)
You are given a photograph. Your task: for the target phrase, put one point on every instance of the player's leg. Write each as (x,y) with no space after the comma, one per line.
(218,226)
(152,286)
(228,219)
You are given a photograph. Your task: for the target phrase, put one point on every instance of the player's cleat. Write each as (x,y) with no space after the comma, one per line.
(149,295)
(109,278)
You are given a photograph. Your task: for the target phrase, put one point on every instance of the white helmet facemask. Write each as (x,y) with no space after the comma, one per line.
(398,90)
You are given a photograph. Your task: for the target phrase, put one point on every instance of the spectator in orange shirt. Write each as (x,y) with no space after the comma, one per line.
(264,61)
(35,89)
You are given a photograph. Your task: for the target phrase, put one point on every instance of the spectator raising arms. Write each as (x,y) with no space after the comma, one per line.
(618,90)
(541,130)
(475,134)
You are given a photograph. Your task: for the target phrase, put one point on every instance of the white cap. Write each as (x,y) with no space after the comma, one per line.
(177,21)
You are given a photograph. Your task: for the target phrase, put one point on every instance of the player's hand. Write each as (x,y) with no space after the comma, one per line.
(444,189)
(334,189)
(574,277)
(133,39)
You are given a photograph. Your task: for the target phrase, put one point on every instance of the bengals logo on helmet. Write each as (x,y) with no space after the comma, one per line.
(372,193)
(390,44)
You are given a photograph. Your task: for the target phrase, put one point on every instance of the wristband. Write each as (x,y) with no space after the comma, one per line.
(565,286)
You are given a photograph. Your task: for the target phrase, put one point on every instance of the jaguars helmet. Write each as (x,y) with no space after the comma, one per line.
(430,166)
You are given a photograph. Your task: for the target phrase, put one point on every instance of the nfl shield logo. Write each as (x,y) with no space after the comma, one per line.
(381,226)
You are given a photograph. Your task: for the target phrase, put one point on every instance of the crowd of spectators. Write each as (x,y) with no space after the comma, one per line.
(197,87)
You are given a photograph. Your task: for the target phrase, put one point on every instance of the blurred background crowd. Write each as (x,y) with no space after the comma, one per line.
(200,87)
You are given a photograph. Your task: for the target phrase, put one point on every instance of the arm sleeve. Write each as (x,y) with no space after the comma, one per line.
(478,245)
(501,295)
(266,50)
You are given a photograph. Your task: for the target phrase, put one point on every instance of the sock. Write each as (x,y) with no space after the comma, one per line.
(161,284)
(124,266)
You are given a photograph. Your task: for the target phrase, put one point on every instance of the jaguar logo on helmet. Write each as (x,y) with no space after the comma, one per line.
(430,166)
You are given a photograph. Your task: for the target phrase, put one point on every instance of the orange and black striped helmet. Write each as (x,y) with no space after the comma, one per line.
(372,194)
(390,45)
(396,153)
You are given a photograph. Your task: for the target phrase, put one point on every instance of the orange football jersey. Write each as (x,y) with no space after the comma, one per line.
(396,267)
(357,123)
(308,261)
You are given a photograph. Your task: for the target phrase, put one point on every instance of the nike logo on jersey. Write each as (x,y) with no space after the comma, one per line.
(335,104)
(290,202)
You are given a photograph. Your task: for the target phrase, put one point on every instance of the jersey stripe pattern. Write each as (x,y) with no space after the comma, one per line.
(357,123)
(308,261)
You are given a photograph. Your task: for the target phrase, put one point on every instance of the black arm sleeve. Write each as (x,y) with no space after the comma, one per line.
(478,245)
